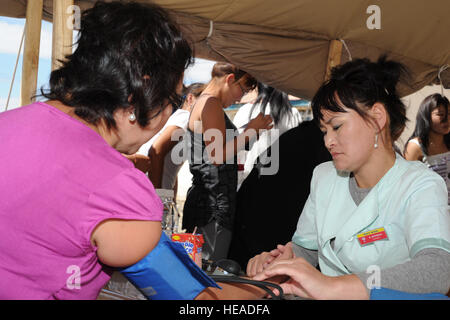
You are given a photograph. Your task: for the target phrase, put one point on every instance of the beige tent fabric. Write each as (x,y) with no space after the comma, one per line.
(286,43)
(292,62)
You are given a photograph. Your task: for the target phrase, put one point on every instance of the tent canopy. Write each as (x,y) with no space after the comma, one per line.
(286,43)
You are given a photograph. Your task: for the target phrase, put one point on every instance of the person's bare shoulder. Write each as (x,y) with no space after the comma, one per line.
(212,106)
(212,115)
(413,151)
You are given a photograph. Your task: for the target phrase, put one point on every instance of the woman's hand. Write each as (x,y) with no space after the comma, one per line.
(261,122)
(307,282)
(261,261)
(141,162)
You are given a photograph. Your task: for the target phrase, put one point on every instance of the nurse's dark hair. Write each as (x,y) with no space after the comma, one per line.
(423,119)
(360,83)
(127,54)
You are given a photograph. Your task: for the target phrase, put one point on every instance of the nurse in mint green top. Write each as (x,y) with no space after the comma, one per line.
(369,210)
(408,204)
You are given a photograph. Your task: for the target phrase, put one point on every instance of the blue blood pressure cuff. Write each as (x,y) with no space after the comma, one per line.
(390,294)
(168,273)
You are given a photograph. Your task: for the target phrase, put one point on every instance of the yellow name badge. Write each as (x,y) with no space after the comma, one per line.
(371,236)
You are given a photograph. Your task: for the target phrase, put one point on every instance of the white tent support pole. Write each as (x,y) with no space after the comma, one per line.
(346,49)
(15,67)
(30,62)
(334,57)
(211,28)
(62,31)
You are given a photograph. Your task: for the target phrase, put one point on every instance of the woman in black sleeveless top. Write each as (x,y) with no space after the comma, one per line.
(213,145)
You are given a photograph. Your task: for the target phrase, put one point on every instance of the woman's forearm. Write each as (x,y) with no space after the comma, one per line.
(312,256)
(427,271)
(232,291)
(348,287)
(156,168)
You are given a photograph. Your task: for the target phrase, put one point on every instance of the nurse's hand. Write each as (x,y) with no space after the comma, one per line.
(307,282)
(261,261)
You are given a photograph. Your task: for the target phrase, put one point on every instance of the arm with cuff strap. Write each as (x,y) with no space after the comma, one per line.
(168,273)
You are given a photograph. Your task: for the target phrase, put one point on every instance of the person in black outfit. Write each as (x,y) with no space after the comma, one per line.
(212,144)
(269,206)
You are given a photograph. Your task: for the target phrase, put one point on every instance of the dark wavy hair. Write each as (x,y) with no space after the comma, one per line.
(127,54)
(423,120)
(280,105)
(360,83)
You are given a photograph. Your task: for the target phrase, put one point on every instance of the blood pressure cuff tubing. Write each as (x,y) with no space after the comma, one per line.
(168,273)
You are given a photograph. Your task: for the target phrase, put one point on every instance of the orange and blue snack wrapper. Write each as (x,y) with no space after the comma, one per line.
(192,243)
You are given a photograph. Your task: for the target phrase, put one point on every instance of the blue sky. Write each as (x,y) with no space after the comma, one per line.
(11,33)
(10,36)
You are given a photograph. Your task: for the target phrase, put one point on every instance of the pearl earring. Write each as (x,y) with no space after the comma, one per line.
(376,141)
(132,117)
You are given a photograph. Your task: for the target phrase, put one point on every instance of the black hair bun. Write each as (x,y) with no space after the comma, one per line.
(390,73)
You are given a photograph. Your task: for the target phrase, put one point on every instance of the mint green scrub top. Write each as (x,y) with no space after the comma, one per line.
(409,202)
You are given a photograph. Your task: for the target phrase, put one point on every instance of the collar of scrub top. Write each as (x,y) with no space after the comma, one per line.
(357,222)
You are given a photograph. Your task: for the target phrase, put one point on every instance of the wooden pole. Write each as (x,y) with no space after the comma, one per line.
(62,31)
(334,57)
(30,63)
